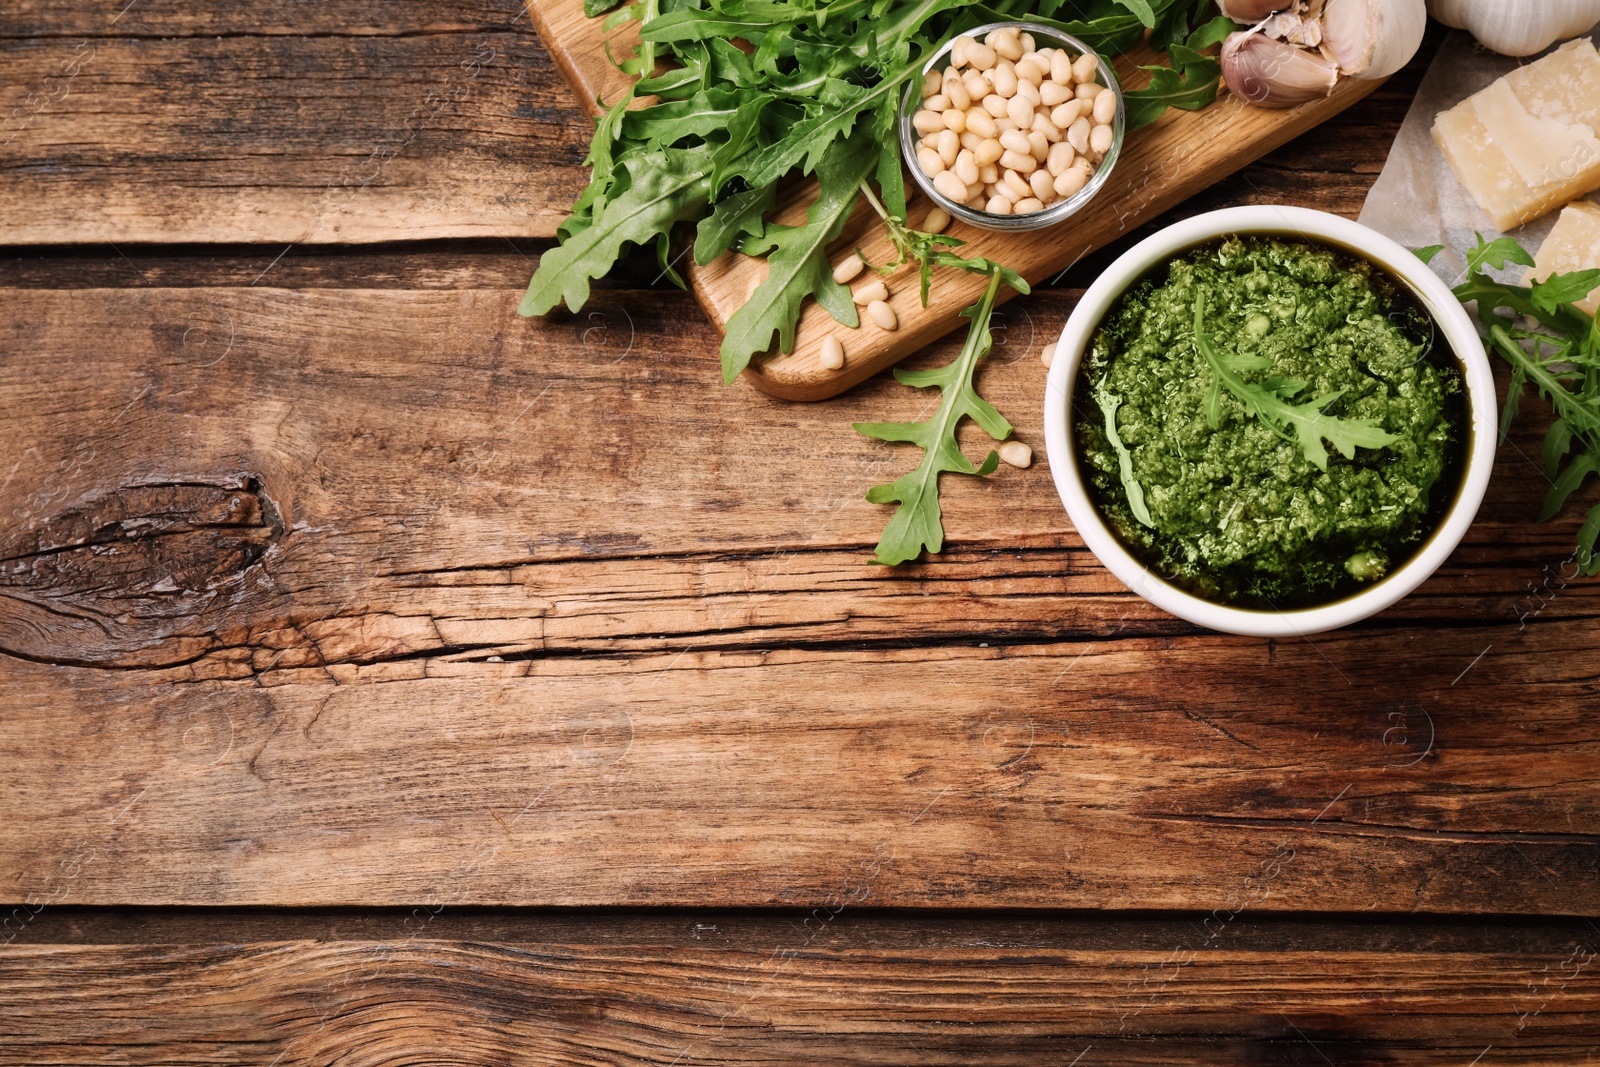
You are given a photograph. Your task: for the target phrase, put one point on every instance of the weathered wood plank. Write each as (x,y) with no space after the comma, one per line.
(286,138)
(1148,773)
(834,986)
(317,18)
(398,586)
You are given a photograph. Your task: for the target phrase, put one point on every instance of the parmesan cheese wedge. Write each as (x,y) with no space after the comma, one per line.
(1527,144)
(1574,244)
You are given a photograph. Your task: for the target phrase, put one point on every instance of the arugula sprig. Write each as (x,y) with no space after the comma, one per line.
(1269,402)
(917,524)
(929,250)
(1560,358)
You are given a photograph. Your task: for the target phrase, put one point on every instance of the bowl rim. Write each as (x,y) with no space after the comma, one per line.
(1056,212)
(1320,227)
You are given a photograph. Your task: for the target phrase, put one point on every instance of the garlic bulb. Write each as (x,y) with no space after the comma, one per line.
(1518,27)
(1374,38)
(1271,73)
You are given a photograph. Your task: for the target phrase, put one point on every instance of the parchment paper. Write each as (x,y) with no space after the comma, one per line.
(1417,199)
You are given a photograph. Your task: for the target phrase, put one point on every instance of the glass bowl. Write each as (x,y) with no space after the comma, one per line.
(1042,36)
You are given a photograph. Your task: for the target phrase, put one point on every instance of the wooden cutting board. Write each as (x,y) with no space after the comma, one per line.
(1161,166)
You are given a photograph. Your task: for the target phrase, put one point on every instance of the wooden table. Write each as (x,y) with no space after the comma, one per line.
(389,679)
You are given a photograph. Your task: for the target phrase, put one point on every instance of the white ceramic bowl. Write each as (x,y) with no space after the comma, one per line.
(1449,317)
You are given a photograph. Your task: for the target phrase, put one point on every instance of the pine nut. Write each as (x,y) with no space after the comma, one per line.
(988,174)
(1073,179)
(1069,182)
(956,90)
(1019,111)
(930,83)
(1065,115)
(1100,139)
(1060,158)
(1026,40)
(1105,105)
(926,121)
(1028,205)
(958,50)
(848,268)
(1028,71)
(1009,44)
(882,314)
(951,186)
(832,357)
(998,205)
(1015,187)
(1043,185)
(970,141)
(954,119)
(1004,78)
(1087,91)
(996,105)
(1038,147)
(1019,161)
(1085,67)
(929,162)
(989,151)
(938,102)
(1061,68)
(1015,141)
(873,290)
(1048,356)
(949,143)
(935,222)
(981,56)
(1029,92)
(1054,94)
(1016,453)
(980,122)
(966,168)
(1078,136)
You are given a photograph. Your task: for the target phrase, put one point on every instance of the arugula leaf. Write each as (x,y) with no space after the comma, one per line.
(917,524)
(593,8)
(660,193)
(1560,289)
(1427,254)
(1130,483)
(1189,84)
(735,216)
(1267,402)
(1497,254)
(797,266)
(1561,359)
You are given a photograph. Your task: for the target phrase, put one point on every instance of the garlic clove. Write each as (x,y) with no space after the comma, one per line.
(1373,38)
(1518,27)
(1253,10)
(1270,73)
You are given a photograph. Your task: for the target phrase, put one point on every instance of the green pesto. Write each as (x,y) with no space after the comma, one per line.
(1228,505)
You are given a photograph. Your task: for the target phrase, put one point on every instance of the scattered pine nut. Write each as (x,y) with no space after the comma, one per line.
(882,314)
(873,290)
(848,268)
(1016,453)
(832,353)
(1048,355)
